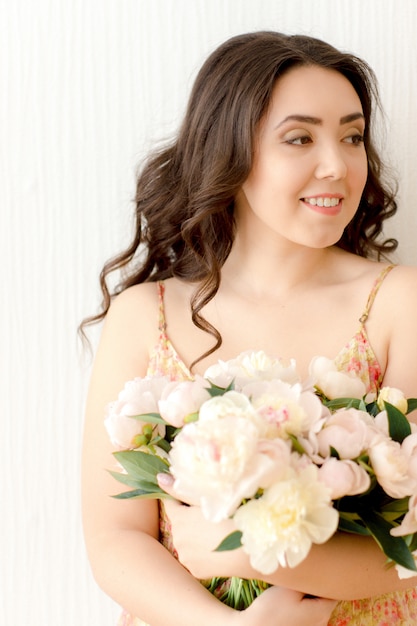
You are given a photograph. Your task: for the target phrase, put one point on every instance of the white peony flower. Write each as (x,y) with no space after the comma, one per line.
(138,397)
(333,383)
(231,403)
(280,527)
(217,463)
(180,399)
(251,366)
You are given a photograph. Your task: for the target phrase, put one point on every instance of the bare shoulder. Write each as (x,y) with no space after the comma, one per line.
(398,311)
(400,286)
(139,302)
(131,327)
(404,275)
(399,302)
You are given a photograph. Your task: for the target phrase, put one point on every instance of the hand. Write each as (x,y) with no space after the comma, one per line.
(283,607)
(195,540)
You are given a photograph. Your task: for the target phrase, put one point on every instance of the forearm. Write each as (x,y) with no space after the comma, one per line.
(347,567)
(144,578)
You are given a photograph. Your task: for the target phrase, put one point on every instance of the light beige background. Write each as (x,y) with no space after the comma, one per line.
(85,88)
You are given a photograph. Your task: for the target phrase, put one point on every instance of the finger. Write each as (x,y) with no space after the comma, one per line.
(167,483)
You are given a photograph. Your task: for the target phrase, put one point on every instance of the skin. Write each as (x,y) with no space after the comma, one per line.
(282,265)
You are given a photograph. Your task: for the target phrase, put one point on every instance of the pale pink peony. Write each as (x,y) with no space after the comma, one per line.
(217,463)
(344,477)
(409,524)
(251,366)
(279,528)
(391,464)
(334,383)
(180,399)
(285,409)
(138,397)
(349,431)
(409,446)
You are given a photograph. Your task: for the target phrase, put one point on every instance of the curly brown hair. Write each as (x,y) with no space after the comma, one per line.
(185,192)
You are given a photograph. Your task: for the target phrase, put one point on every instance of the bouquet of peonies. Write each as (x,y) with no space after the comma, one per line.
(290,461)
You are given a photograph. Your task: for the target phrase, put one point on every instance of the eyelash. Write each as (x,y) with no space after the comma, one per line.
(293,142)
(356,140)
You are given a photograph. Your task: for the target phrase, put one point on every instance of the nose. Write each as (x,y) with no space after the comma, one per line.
(331,162)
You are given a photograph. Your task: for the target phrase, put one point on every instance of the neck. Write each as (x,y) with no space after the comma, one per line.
(274,271)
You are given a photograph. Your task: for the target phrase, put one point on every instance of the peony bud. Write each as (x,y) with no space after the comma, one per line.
(392,396)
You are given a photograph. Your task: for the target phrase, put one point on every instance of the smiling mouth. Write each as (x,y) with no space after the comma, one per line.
(325,202)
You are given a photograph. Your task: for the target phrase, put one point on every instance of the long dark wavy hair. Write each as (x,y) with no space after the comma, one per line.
(184,224)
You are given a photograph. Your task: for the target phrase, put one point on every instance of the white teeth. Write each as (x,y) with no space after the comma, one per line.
(322,201)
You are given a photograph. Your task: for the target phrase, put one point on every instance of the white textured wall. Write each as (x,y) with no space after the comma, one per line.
(85,85)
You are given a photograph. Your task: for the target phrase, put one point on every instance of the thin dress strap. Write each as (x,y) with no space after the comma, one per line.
(161,319)
(163,358)
(378,282)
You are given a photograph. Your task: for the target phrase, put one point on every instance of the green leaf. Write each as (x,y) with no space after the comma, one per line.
(296,445)
(161,443)
(128,480)
(349,525)
(151,418)
(215,390)
(142,493)
(141,465)
(334,453)
(231,542)
(412,405)
(170,433)
(397,506)
(412,542)
(343,403)
(395,548)
(399,426)
(372,408)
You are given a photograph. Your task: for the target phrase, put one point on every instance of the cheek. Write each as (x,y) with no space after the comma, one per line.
(360,172)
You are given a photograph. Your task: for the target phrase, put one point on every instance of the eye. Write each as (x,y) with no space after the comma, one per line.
(356,139)
(301,140)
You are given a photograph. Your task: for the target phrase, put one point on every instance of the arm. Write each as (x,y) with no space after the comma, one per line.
(400,306)
(347,567)
(121,537)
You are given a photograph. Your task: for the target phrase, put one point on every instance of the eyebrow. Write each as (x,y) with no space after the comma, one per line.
(307,119)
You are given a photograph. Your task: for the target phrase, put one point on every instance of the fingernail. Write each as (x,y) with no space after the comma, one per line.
(164,479)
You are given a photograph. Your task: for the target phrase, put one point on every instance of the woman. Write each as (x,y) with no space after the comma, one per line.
(259,228)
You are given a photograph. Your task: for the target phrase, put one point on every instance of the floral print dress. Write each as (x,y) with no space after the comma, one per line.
(391,609)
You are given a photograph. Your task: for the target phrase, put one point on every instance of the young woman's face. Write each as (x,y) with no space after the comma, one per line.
(310,164)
